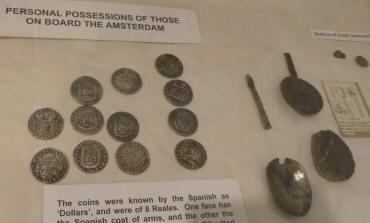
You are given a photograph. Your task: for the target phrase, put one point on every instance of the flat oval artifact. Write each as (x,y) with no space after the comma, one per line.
(49,165)
(362,61)
(190,154)
(90,156)
(339,54)
(87,120)
(183,121)
(178,92)
(289,186)
(132,158)
(331,156)
(169,66)
(126,81)
(123,126)
(86,90)
(45,123)
(299,94)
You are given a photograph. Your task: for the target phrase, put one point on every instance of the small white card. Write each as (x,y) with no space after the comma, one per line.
(97,21)
(344,36)
(205,201)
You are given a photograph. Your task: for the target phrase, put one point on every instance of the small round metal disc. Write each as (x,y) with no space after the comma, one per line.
(87,120)
(86,90)
(126,81)
(90,156)
(123,126)
(45,124)
(183,121)
(289,186)
(331,156)
(362,61)
(178,92)
(169,66)
(49,165)
(339,54)
(132,158)
(190,154)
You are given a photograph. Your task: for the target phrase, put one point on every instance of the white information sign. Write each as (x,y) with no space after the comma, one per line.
(344,36)
(97,21)
(206,201)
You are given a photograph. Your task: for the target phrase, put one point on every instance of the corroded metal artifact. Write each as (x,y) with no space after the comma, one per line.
(45,123)
(190,154)
(289,186)
(169,65)
(126,81)
(123,126)
(132,158)
(86,90)
(362,61)
(331,156)
(183,121)
(90,156)
(299,94)
(178,92)
(87,120)
(339,54)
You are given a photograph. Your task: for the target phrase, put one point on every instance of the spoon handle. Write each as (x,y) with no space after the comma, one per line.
(261,110)
(291,67)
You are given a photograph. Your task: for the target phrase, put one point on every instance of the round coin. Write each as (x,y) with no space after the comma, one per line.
(178,92)
(132,158)
(123,126)
(90,156)
(190,154)
(86,90)
(49,165)
(45,123)
(87,120)
(183,121)
(362,61)
(126,81)
(169,66)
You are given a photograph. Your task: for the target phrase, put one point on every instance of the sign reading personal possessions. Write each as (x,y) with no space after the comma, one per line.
(207,201)
(349,107)
(344,36)
(97,21)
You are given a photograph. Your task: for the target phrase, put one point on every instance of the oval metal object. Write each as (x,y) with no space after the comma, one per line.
(45,123)
(183,121)
(90,156)
(86,90)
(169,65)
(126,81)
(87,120)
(299,94)
(331,156)
(132,158)
(178,92)
(362,61)
(289,186)
(123,126)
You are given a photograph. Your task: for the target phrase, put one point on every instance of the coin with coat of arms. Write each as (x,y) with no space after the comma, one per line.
(190,154)
(183,121)
(132,158)
(87,120)
(49,165)
(169,65)
(178,92)
(86,90)
(90,156)
(123,126)
(45,123)
(126,81)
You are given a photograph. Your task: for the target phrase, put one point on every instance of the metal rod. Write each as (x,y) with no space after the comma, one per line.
(290,63)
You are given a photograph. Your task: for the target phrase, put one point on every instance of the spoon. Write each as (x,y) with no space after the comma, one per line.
(289,185)
(298,93)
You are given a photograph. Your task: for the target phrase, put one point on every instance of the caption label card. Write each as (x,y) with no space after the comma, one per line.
(206,201)
(344,36)
(97,21)
(349,107)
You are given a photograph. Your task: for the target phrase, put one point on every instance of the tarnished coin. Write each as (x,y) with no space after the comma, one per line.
(126,81)
(339,54)
(86,90)
(90,156)
(178,92)
(123,126)
(87,120)
(132,158)
(45,123)
(362,61)
(49,165)
(190,154)
(169,65)
(183,121)
(331,156)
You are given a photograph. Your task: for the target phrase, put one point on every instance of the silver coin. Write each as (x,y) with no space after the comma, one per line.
(126,81)
(132,158)
(87,120)
(178,92)
(86,90)
(45,123)
(123,126)
(90,156)
(169,66)
(190,154)
(49,165)
(183,121)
